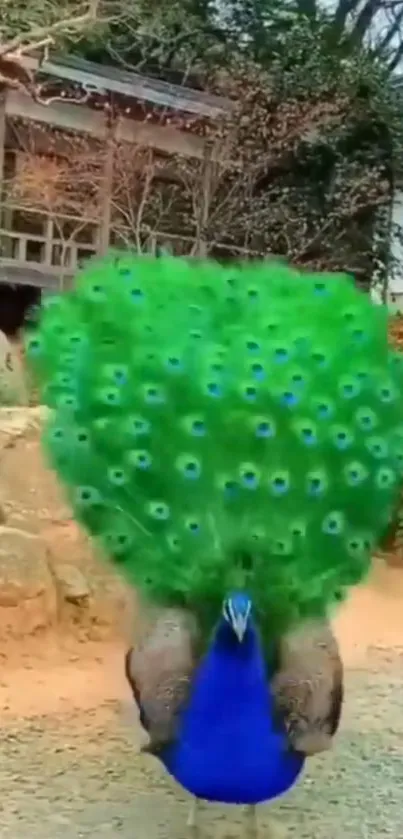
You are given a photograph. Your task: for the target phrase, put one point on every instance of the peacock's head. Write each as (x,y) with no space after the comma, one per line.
(236,611)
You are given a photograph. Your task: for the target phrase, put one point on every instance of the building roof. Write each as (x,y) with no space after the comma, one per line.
(98,78)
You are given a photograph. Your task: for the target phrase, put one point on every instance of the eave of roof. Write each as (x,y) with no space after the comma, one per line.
(101,79)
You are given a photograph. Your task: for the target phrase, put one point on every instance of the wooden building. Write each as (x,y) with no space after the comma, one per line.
(41,246)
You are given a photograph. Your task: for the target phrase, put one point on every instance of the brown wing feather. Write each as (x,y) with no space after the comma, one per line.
(159,670)
(308,687)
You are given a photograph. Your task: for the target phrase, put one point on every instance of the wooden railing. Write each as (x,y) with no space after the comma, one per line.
(45,259)
(45,251)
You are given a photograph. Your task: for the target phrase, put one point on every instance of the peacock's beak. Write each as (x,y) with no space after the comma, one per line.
(239,624)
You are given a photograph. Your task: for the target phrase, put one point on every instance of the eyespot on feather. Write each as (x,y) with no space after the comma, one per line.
(366,419)
(173,542)
(118,542)
(306,432)
(356,547)
(249,476)
(153,395)
(258,371)
(67,400)
(57,434)
(117,476)
(316,483)
(136,294)
(289,398)
(349,314)
(320,357)
(64,379)
(77,339)
(35,346)
(139,459)
(341,437)
(213,389)
(355,473)
(333,524)
(195,426)
(320,288)
(279,483)
(385,478)
(192,525)
(349,387)
(174,364)
(282,547)
(81,436)
(323,407)
(96,292)
(387,392)
(189,466)
(229,487)
(158,510)
(281,354)
(298,529)
(252,345)
(264,427)
(87,496)
(249,391)
(109,396)
(138,425)
(378,447)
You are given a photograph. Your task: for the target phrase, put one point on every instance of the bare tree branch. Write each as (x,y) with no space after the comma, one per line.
(365,19)
(343,10)
(394,29)
(396,59)
(28,41)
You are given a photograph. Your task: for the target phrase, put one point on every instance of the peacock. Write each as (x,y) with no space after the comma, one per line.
(232,438)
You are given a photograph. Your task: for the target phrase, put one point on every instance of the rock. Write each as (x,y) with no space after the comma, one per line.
(90,597)
(71,584)
(29,493)
(13,386)
(18,423)
(27,592)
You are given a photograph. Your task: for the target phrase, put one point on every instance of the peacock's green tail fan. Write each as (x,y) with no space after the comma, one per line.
(219,427)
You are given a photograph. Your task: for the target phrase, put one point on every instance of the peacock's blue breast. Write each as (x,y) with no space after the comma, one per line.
(229,749)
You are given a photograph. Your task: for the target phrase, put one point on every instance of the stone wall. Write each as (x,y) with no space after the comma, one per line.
(49,574)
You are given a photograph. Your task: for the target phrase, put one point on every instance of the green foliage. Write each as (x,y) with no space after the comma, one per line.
(188,34)
(19,17)
(315,134)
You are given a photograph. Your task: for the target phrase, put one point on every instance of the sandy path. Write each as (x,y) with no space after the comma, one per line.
(69,767)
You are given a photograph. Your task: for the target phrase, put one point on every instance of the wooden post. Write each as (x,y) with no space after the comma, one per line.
(3,96)
(49,241)
(200,248)
(106,199)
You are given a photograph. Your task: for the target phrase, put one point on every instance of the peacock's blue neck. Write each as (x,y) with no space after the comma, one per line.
(230,748)
(227,643)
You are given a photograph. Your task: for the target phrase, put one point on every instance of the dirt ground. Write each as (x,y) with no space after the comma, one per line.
(69,738)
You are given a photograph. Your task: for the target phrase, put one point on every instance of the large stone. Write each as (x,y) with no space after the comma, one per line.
(27,592)
(29,492)
(90,595)
(13,385)
(71,584)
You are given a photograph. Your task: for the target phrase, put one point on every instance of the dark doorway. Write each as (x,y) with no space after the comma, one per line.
(16,304)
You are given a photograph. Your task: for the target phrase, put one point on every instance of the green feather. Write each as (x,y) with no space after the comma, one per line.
(224,427)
